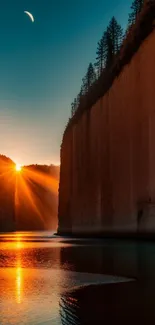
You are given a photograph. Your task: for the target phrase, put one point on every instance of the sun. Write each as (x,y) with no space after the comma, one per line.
(18,168)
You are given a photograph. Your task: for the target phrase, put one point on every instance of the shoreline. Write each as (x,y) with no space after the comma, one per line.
(111,235)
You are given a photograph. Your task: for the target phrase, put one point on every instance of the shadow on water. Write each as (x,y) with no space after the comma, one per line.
(120,303)
(69,310)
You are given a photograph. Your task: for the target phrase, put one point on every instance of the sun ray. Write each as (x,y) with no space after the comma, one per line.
(26,190)
(6,173)
(32,190)
(41,178)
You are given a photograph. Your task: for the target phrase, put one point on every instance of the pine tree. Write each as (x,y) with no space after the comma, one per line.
(90,76)
(116,34)
(75,104)
(82,90)
(79,97)
(96,70)
(109,49)
(73,107)
(114,38)
(136,8)
(84,86)
(100,59)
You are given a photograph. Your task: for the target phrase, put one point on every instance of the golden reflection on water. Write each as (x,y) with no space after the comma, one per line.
(18,242)
(17,270)
(19,282)
(30,280)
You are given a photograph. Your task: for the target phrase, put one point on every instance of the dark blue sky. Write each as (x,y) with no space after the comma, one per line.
(41,67)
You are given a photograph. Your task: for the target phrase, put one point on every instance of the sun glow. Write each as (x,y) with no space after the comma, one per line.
(18,168)
(28,183)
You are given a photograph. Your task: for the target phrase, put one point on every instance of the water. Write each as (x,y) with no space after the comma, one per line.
(50,280)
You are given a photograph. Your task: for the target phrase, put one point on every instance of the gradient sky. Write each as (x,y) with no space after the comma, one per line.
(41,68)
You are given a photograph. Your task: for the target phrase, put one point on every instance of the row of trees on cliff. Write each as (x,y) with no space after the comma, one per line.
(108,48)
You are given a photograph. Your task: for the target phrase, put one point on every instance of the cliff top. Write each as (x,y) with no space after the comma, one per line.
(135,36)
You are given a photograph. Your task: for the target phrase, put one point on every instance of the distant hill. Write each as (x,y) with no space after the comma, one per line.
(28,200)
(4,159)
(7,191)
(47,169)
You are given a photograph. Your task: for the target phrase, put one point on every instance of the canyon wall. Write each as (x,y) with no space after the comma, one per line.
(107,176)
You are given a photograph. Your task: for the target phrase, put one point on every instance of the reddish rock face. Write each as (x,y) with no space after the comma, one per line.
(107,176)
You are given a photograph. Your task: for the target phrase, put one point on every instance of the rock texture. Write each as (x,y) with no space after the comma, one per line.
(107,176)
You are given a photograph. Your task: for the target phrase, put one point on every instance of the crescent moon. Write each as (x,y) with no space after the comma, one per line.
(30,15)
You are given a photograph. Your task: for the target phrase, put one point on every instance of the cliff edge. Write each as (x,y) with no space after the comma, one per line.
(107,175)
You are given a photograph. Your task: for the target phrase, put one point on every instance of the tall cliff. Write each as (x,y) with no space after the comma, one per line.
(107,176)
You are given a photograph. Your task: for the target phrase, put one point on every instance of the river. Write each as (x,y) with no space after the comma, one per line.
(46,279)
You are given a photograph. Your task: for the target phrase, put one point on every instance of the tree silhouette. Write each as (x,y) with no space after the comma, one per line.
(109,45)
(114,37)
(90,77)
(101,54)
(79,97)
(73,107)
(84,85)
(107,49)
(136,8)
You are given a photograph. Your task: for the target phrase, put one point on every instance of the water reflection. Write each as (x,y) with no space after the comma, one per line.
(18,284)
(44,281)
(19,275)
(69,310)
(29,287)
